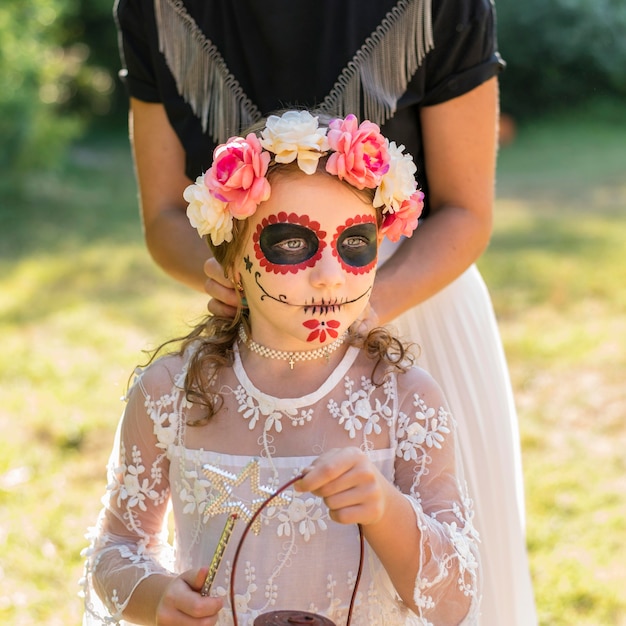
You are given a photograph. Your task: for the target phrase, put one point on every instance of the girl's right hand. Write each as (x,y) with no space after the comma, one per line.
(224,298)
(183,605)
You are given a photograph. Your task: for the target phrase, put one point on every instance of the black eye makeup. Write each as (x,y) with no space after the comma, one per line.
(357,246)
(288,244)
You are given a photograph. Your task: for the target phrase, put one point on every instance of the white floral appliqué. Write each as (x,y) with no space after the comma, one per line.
(358,413)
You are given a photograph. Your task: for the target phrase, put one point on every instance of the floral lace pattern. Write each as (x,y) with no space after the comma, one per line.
(254,409)
(153,467)
(357,412)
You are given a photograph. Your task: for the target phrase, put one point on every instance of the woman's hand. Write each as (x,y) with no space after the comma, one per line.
(182,604)
(367,321)
(353,489)
(224,298)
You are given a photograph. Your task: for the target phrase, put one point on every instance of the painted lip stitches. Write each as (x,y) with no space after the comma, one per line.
(314,307)
(326,306)
(330,305)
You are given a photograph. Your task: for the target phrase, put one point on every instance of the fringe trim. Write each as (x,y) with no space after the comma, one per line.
(201,75)
(380,71)
(373,81)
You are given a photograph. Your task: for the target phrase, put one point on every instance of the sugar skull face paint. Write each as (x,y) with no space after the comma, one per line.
(288,242)
(356,244)
(309,266)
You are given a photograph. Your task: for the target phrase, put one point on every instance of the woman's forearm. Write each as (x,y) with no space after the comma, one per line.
(176,247)
(441,249)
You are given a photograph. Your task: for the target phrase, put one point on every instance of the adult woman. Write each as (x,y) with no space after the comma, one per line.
(426,72)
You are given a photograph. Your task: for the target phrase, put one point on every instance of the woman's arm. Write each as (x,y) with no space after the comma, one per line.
(460,143)
(160,169)
(460,146)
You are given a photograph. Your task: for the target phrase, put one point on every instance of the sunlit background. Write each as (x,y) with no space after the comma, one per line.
(80,298)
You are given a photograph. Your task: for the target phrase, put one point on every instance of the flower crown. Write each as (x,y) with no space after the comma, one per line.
(236,184)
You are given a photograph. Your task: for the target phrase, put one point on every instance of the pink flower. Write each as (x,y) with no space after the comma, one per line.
(404,221)
(237,175)
(360,155)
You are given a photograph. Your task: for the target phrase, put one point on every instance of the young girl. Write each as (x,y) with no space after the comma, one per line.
(291,390)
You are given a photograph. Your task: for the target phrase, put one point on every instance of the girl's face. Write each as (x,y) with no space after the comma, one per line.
(309,263)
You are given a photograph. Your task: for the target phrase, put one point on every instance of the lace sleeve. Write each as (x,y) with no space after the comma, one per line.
(129,542)
(428,471)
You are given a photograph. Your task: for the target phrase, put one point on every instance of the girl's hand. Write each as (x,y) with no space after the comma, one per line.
(182,604)
(224,298)
(353,489)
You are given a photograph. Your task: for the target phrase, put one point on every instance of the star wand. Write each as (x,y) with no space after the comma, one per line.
(224,483)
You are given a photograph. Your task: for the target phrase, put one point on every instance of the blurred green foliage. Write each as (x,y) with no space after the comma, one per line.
(561,53)
(33,72)
(59,63)
(56,77)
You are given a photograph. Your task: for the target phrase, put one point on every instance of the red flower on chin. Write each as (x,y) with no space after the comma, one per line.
(319,329)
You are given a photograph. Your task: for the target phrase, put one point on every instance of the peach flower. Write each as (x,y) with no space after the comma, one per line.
(403,221)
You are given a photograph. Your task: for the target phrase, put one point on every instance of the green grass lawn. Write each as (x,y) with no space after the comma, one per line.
(80,299)
(557,272)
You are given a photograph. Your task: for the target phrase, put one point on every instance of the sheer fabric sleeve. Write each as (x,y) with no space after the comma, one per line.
(129,542)
(428,471)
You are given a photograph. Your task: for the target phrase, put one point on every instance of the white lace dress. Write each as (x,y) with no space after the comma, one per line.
(300,559)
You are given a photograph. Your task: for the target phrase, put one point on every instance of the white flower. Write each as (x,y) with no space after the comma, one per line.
(349,420)
(464,544)
(305,514)
(363,408)
(194,492)
(399,183)
(165,435)
(208,214)
(295,135)
(416,433)
(131,484)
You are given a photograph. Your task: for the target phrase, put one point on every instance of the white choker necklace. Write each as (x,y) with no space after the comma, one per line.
(290,357)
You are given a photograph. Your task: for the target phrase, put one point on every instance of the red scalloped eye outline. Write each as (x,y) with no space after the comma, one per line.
(359,219)
(291,218)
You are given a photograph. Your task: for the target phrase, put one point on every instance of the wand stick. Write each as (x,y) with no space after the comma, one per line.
(219,553)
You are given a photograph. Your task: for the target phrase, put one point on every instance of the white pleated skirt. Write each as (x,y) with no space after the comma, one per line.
(460,344)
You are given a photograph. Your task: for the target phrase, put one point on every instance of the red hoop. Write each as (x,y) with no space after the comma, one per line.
(302,617)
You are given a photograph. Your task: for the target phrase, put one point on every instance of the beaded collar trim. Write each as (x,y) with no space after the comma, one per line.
(290,357)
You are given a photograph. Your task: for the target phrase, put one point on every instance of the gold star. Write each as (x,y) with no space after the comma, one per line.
(224,502)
